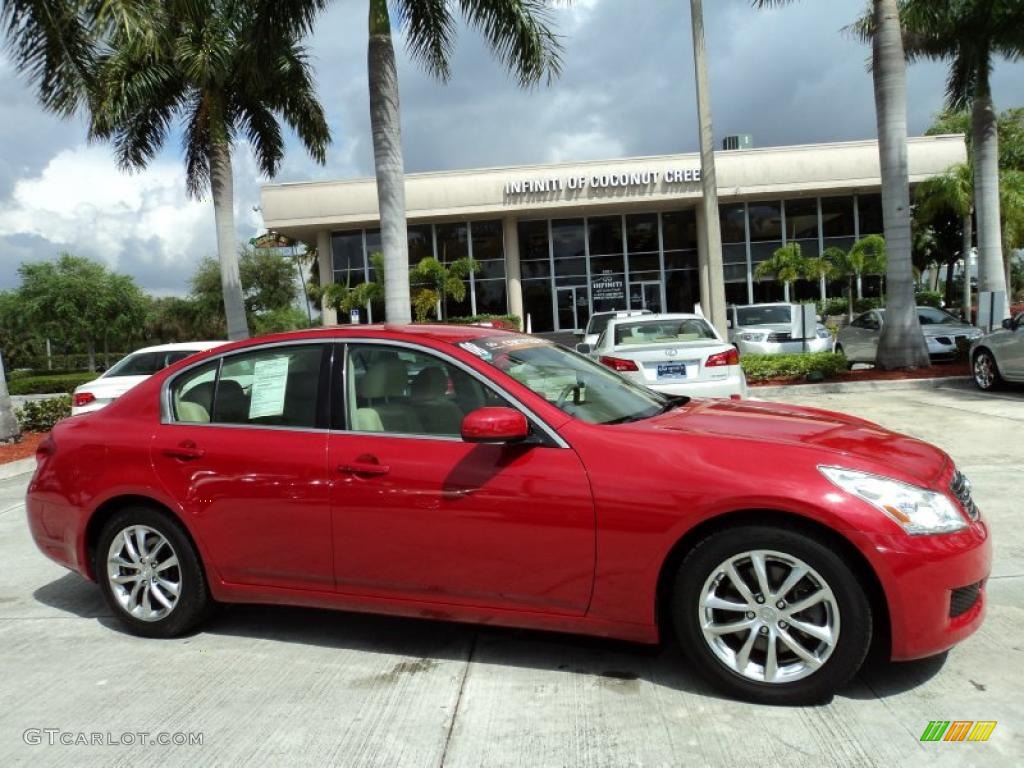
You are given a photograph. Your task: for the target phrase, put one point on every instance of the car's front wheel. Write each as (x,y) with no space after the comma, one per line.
(771,615)
(150,574)
(986,371)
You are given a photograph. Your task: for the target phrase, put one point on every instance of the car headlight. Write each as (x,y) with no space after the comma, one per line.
(824,333)
(918,510)
(751,336)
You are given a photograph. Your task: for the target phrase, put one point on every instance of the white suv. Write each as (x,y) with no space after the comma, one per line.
(129,371)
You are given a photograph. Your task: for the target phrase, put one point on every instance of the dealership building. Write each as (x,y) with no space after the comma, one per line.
(557,242)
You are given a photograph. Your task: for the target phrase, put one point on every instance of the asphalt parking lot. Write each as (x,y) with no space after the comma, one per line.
(279,686)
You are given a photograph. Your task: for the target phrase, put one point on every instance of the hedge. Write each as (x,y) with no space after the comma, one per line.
(41,415)
(513,319)
(816,365)
(48,385)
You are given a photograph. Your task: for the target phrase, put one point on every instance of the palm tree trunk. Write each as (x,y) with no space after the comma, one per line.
(222,188)
(822,289)
(985,147)
(90,351)
(902,343)
(713,301)
(385,122)
(9,429)
(860,287)
(965,248)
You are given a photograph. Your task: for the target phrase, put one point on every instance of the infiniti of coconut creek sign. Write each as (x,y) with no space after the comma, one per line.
(640,181)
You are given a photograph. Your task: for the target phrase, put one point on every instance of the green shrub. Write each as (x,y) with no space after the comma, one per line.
(929,299)
(50,384)
(763,367)
(834,306)
(41,415)
(514,319)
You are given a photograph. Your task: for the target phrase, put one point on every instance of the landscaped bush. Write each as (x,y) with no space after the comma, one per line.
(818,364)
(834,306)
(929,299)
(41,415)
(49,384)
(513,319)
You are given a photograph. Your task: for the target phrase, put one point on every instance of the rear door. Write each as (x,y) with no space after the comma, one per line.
(242,447)
(420,514)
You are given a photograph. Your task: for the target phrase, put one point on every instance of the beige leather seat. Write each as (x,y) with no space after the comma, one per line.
(382,402)
(438,414)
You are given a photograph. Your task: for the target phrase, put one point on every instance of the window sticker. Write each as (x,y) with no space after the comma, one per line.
(269,379)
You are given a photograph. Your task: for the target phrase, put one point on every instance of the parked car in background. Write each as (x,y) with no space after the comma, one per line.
(476,475)
(129,371)
(677,354)
(858,341)
(599,321)
(999,356)
(766,329)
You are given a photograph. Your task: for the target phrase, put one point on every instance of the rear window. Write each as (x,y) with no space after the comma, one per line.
(663,331)
(147,363)
(764,315)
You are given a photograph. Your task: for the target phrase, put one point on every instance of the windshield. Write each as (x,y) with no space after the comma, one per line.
(766,315)
(146,363)
(663,331)
(932,316)
(577,385)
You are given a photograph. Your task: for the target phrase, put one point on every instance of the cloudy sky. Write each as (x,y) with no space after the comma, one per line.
(787,76)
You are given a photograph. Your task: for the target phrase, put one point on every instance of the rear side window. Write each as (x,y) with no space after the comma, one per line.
(270,387)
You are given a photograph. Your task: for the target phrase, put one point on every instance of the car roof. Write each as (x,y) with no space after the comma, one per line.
(194,346)
(623,313)
(655,318)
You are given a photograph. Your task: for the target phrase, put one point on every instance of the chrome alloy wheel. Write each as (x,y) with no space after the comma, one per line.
(143,573)
(769,617)
(984,371)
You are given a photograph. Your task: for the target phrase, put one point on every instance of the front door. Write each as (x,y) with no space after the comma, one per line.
(573,308)
(645,295)
(245,453)
(419,514)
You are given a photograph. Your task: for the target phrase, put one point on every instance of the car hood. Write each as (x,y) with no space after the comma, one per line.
(947,329)
(827,431)
(112,387)
(772,327)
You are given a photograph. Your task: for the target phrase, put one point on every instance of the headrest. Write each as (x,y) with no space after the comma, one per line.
(387,378)
(430,383)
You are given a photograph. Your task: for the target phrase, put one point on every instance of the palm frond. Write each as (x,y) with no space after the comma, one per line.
(429,34)
(520,35)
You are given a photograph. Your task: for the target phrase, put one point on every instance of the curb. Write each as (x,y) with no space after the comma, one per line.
(17,468)
(839,387)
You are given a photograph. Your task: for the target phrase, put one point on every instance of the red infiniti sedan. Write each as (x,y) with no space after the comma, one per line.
(479,475)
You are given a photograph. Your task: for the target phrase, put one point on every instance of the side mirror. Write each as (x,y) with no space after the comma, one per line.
(495,425)
(584,349)
(728,323)
(1009,324)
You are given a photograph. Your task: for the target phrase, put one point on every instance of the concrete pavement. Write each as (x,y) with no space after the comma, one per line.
(282,686)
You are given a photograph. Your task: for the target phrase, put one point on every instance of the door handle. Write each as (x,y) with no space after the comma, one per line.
(186,450)
(363,468)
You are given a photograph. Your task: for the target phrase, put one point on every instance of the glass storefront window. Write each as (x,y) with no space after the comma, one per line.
(421,243)
(682,290)
(762,251)
(533,240)
(837,216)
(605,234)
(802,219)
(491,297)
(347,251)
(452,242)
(567,238)
(765,221)
(537,304)
(679,230)
(680,260)
(641,233)
(869,211)
(488,243)
(733,227)
(599,264)
(734,254)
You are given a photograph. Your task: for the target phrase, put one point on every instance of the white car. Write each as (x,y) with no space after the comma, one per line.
(999,356)
(677,354)
(599,321)
(766,329)
(129,371)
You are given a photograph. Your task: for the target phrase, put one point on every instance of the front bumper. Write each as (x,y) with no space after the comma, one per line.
(935,587)
(946,346)
(783,347)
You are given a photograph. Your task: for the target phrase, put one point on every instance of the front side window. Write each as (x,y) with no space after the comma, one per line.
(764,315)
(575,384)
(275,387)
(932,316)
(403,391)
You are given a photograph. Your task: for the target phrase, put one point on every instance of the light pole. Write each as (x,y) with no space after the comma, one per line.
(712,276)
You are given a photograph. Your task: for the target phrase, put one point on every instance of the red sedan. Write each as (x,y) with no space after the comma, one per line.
(486,476)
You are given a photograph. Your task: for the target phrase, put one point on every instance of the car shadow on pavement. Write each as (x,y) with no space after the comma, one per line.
(615,665)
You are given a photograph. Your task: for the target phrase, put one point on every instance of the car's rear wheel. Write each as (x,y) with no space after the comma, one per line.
(771,615)
(840,351)
(150,574)
(986,371)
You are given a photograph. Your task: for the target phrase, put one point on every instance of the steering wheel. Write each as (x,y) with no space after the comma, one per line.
(567,390)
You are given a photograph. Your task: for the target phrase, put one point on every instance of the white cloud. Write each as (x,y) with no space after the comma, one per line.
(583,145)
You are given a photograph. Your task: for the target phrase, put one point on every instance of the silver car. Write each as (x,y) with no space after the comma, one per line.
(942,333)
(766,329)
(999,356)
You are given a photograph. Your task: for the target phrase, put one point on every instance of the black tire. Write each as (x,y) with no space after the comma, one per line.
(854,611)
(984,361)
(193,602)
(840,351)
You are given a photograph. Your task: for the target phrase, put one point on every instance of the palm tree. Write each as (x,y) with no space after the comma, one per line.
(970,34)
(225,69)
(820,269)
(866,257)
(9,429)
(953,191)
(902,344)
(519,35)
(787,265)
(434,283)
